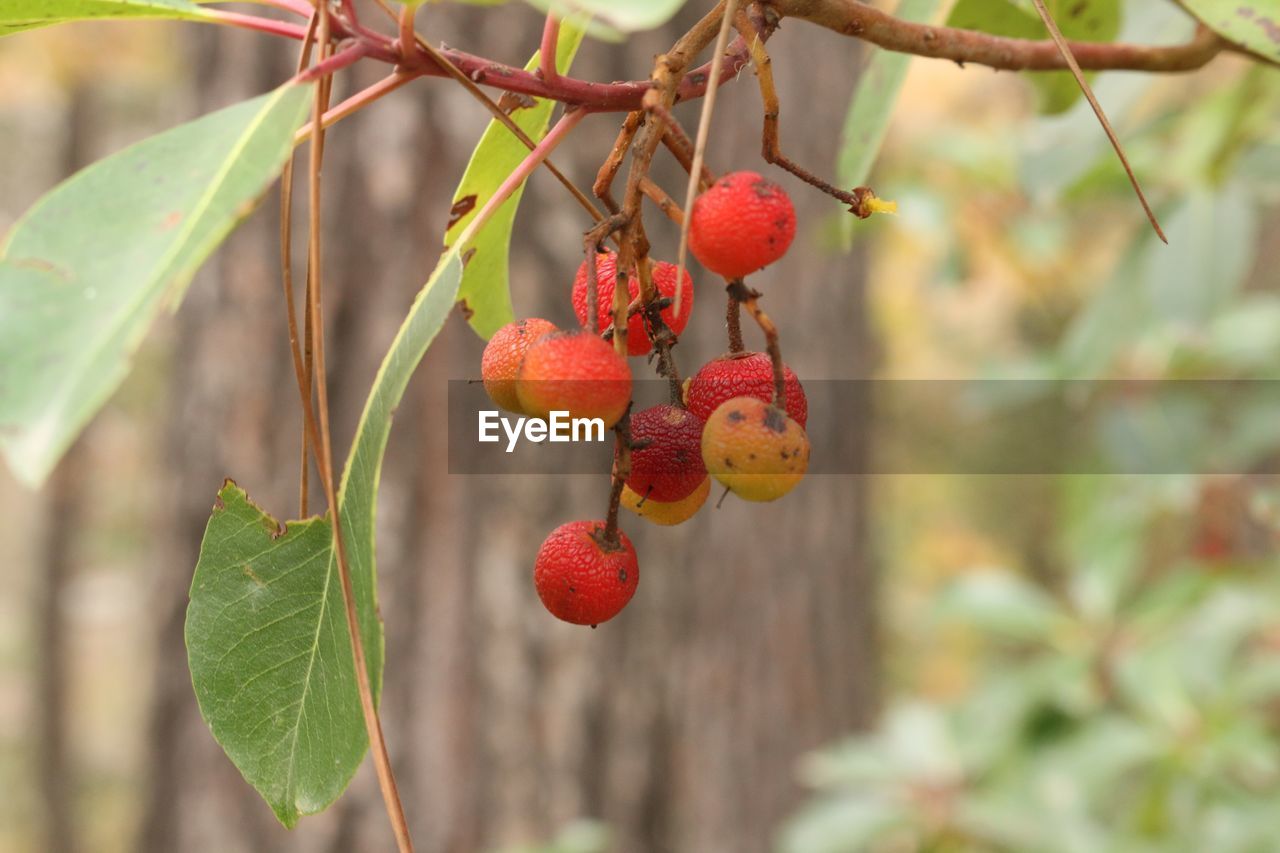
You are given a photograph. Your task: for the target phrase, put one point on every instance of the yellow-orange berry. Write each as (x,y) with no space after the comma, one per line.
(667,513)
(755,449)
(502,356)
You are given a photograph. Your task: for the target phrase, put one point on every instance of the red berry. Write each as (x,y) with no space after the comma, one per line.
(742,223)
(580,578)
(666,464)
(664,280)
(574,372)
(502,356)
(744,374)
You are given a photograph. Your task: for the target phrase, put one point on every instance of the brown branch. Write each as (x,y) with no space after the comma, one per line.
(847,17)
(853,18)
(322,447)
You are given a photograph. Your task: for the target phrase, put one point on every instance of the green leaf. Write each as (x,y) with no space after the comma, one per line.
(1079,20)
(485,292)
(266,631)
(270,657)
(18,15)
(612,19)
(1254,26)
(1001,603)
(85,272)
(867,120)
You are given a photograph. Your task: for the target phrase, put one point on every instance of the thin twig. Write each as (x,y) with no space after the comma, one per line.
(286,279)
(324,457)
(700,143)
(1061,42)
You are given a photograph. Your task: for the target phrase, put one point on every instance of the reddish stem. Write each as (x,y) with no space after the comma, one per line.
(253,22)
(547,51)
(342,59)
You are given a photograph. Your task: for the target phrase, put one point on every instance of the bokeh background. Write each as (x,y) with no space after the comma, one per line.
(899,663)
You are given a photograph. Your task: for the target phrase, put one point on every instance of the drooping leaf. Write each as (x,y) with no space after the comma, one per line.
(18,15)
(266,630)
(86,270)
(1253,25)
(485,292)
(612,19)
(1079,20)
(867,120)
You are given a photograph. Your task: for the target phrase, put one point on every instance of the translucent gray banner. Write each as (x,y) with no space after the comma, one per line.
(953,427)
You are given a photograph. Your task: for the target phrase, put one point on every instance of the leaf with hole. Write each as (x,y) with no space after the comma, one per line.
(485,293)
(266,631)
(85,272)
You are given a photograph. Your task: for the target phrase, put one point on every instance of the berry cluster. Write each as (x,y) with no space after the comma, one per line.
(739,419)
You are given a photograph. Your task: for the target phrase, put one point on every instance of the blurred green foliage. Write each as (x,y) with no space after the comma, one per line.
(1080,663)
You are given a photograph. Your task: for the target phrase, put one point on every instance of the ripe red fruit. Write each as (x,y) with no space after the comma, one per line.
(575,372)
(664,280)
(742,223)
(580,578)
(743,374)
(666,462)
(502,356)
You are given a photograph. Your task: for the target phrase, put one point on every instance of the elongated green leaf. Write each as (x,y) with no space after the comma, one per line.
(267,639)
(18,15)
(85,272)
(1254,25)
(485,293)
(867,120)
(1079,20)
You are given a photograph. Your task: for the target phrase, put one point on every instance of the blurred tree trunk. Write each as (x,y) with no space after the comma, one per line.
(751,639)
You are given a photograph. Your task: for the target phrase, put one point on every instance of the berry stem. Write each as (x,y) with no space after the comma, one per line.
(664,202)
(733,320)
(602,188)
(659,332)
(621,471)
(738,291)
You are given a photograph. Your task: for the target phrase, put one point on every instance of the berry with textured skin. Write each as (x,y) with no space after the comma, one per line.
(754,449)
(665,513)
(744,374)
(666,459)
(502,356)
(664,280)
(579,578)
(575,372)
(742,223)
